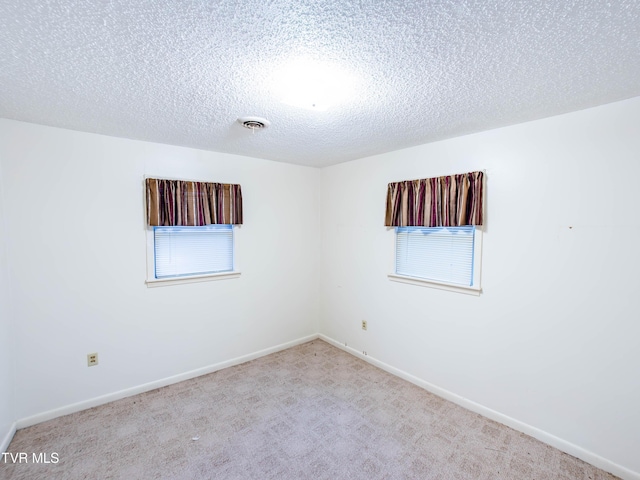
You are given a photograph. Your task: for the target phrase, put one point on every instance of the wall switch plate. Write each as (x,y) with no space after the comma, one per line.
(364,324)
(92,360)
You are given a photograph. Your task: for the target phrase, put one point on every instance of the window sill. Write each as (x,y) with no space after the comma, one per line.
(164,282)
(469,290)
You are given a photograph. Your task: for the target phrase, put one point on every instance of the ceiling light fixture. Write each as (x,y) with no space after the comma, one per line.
(311,84)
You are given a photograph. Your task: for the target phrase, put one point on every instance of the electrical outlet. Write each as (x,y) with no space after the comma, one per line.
(364,324)
(92,360)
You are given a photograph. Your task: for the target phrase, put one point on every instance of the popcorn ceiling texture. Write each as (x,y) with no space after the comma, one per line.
(182,72)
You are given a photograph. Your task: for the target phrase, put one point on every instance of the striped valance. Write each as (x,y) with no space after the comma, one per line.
(178,202)
(450,201)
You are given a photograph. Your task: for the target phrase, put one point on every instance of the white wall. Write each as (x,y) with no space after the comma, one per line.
(551,343)
(7,339)
(553,340)
(76,244)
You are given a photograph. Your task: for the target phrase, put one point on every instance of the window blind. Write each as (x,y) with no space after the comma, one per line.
(442,254)
(181,251)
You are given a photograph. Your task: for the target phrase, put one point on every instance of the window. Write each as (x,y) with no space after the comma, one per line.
(442,257)
(191,230)
(183,254)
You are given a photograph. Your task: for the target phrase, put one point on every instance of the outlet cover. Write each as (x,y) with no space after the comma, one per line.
(92,360)
(364,324)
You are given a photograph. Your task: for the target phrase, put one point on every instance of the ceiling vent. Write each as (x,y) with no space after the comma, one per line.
(254,123)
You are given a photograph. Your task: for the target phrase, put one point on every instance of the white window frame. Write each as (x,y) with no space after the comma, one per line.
(152,281)
(474,289)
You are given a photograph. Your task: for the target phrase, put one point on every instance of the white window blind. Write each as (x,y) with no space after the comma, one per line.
(181,251)
(443,254)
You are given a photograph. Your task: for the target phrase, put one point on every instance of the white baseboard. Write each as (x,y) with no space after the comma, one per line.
(549,439)
(541,435)
(110,397)
(6,440)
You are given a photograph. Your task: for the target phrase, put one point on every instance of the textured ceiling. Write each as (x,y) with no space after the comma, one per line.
(182,72)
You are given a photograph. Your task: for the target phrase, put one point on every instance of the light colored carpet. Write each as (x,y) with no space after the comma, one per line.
(309,412)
